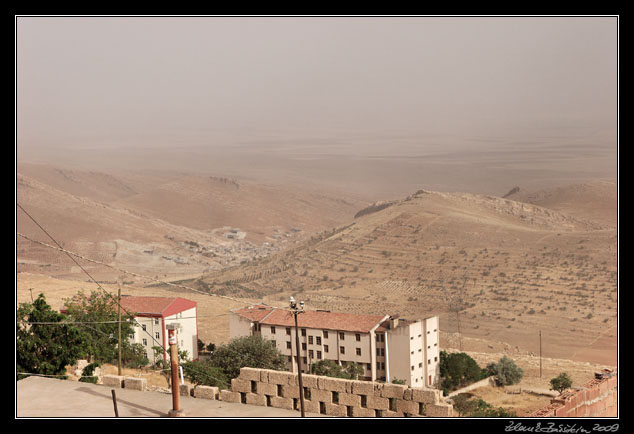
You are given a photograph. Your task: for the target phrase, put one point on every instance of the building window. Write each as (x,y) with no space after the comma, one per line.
(310,340)
(303,332)
(435,359)
(288,331)
(319,355)
(429,362)
(383,366)
(303,345)
(342,336)
(143,327)
(144,341)
(325,348)
(358,337)
(156,321)
(311,354)
(157,335)
(378,366)
(383,352)
(412,352)
(272,330)
(342,350)
(420,365)
(325,334)
(412,367)
(131,336)
(378,351)
(288,344)
(304,361)
(318,340)
(358,351)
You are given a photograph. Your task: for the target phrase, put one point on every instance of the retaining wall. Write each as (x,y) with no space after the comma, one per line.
(334,396)
(596,398)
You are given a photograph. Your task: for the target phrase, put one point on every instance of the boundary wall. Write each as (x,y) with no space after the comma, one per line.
(322,395)
(334,396)
(596,398)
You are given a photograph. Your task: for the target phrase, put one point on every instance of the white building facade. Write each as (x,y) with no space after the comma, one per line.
(387,348)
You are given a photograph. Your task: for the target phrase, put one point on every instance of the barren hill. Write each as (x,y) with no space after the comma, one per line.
(509,268)
(594,200)
(166,224)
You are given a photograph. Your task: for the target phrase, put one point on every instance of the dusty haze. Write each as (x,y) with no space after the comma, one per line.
(461,103)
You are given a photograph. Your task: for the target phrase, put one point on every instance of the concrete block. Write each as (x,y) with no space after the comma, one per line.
(115,381)
(378,403)
(135,383)
(349,399)
(427,396)
(363,388)
(393,391)
(279,402)
(320,395)
(267,389)
(311,406)
(250,374)
(404,406)
(309,381)
(439,410)
(230,396)
(206,392)
(184,389)
(333,384)
(256,399)
(388,413)
(362,412)
(336,410)
(281,377)
(289,391)
(238,385)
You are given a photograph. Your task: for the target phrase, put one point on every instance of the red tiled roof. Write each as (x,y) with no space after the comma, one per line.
(156,306)
(254,313)
(324,320)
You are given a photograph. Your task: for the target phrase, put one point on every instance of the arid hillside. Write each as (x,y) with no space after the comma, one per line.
(163,224)
(492,268)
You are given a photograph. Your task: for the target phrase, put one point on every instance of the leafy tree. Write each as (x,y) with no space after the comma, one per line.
(251,351)
(458,370)
(354,370)
(101,336)
(398,381)
(86,374)
(203,372)
(506,372)
(133,356)
(561,382)
(45,348)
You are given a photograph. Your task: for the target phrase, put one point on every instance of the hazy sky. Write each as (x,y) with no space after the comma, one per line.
(99,81)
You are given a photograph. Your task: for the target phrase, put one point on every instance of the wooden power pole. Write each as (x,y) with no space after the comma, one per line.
(119,370)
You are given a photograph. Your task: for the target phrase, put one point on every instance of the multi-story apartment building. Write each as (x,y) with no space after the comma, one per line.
(386,347)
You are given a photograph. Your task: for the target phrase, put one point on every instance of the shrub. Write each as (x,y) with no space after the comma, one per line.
(561,382)
(506,372)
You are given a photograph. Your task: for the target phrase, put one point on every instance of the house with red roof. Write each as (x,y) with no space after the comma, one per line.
(386,347)
(153,314)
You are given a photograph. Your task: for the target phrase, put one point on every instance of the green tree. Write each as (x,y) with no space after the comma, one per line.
(330,368)
(506,372)
(133,356)
(86,374)
(458,370)
(203,372)
(251,351)
(49,347)
(99,313)
(561,382)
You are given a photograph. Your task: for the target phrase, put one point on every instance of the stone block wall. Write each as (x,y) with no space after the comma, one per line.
(333,396)
(596,398)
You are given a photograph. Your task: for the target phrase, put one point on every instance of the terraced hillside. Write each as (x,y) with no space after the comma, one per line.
(492,268)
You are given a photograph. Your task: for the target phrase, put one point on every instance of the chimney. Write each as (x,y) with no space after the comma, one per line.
(393,322)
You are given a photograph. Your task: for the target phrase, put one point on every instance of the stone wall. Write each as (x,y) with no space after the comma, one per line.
(596,398)
(334,396)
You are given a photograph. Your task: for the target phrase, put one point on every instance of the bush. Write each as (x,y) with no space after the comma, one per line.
(203,372)
(251,351)
(506,372)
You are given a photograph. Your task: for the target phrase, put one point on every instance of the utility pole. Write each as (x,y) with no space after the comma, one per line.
(295,310)
(176,410)
(119,369)
(540,354)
